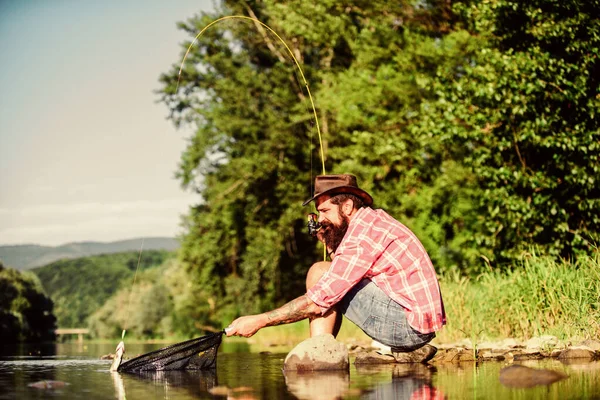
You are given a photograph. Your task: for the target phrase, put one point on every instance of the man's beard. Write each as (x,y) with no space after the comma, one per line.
(333,234)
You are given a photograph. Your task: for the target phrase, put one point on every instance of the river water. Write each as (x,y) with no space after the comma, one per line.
(245,375)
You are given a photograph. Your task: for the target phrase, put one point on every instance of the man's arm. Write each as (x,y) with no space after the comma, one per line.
(296,310)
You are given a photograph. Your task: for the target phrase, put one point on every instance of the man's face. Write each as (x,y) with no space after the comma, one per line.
(334,223)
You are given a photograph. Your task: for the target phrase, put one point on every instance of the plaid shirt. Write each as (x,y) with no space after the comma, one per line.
(379,248)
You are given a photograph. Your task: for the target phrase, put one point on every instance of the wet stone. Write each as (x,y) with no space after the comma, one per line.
(525,356)
(355,348)
(445,355)
(489,355)
(555,353)
(317,354)
(536,348)
(493,346)
(453,355)
(519,376)
(421,355)
(465,343)
(579,353)
(373,357)
(464,355)
(591,344)
(509,343)
(541,342)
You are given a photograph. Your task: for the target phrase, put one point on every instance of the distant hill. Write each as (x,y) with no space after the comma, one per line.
(78,287)
(28,256)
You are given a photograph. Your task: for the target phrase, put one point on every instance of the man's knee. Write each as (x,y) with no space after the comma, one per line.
(316,272)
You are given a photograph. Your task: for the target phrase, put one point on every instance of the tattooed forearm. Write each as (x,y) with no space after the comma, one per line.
(296,310)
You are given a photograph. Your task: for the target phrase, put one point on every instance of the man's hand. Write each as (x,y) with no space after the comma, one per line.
(246,326)
(296,310)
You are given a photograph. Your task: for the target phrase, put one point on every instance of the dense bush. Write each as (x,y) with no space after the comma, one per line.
(522,110)
(541,296)
(143,309)
(25,311)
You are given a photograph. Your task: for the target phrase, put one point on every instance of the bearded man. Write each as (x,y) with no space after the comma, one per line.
(380,277)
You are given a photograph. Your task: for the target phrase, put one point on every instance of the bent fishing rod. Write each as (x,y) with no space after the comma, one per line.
(312,222)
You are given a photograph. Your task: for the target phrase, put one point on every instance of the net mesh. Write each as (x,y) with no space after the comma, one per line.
(199,353)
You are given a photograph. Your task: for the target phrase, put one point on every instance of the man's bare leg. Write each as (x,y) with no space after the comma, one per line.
(332,320)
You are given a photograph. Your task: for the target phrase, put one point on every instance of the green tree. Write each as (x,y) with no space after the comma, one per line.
(523,112)
(143,309)
(254,154)
(25,311)
(80,286)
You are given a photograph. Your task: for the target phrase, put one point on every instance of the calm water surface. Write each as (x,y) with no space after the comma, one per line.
(244,375)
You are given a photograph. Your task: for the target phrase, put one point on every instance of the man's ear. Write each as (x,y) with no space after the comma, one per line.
(348,207)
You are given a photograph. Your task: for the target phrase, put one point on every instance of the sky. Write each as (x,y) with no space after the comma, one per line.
(86,151)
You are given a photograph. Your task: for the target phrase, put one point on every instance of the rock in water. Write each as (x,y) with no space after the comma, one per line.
(373,357)
(318,353)
(48,384)
(519,376)
(578,353)
(591,344)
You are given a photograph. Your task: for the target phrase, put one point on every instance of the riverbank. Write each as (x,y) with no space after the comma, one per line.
(540,297)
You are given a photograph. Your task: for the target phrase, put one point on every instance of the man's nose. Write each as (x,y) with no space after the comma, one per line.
(320,218)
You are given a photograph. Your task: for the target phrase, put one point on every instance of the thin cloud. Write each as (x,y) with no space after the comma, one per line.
(58,224)
(137,206)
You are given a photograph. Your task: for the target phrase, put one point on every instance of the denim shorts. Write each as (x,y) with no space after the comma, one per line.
(381,318)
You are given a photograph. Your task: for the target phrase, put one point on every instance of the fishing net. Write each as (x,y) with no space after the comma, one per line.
(194,354)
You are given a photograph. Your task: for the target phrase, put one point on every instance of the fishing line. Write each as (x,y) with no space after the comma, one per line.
(131,291)
(291,54)
(242,17)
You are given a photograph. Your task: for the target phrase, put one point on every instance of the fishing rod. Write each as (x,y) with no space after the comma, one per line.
(243,17)
(313,224)
(121,346)
(312,219)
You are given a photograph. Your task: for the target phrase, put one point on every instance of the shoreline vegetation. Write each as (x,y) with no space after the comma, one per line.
(539,297)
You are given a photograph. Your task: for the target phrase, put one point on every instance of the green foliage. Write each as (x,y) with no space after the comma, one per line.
(164,302)
(475,125)
(79,287)
(523,113)
(25,311)
(142,309)
(251,156)
(540,297)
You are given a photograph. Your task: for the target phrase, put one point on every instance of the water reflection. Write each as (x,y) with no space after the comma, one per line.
(197,383)
(319,385)
(521,376)
(408,381)
(259,376)
(31,350)
(119,386)
(397,381)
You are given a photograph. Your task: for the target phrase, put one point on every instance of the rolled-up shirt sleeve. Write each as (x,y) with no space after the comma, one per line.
(352,261)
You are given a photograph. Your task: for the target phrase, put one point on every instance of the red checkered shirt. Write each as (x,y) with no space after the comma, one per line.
(379,248)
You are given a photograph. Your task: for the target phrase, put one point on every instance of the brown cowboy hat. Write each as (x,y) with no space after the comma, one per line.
(338,184)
